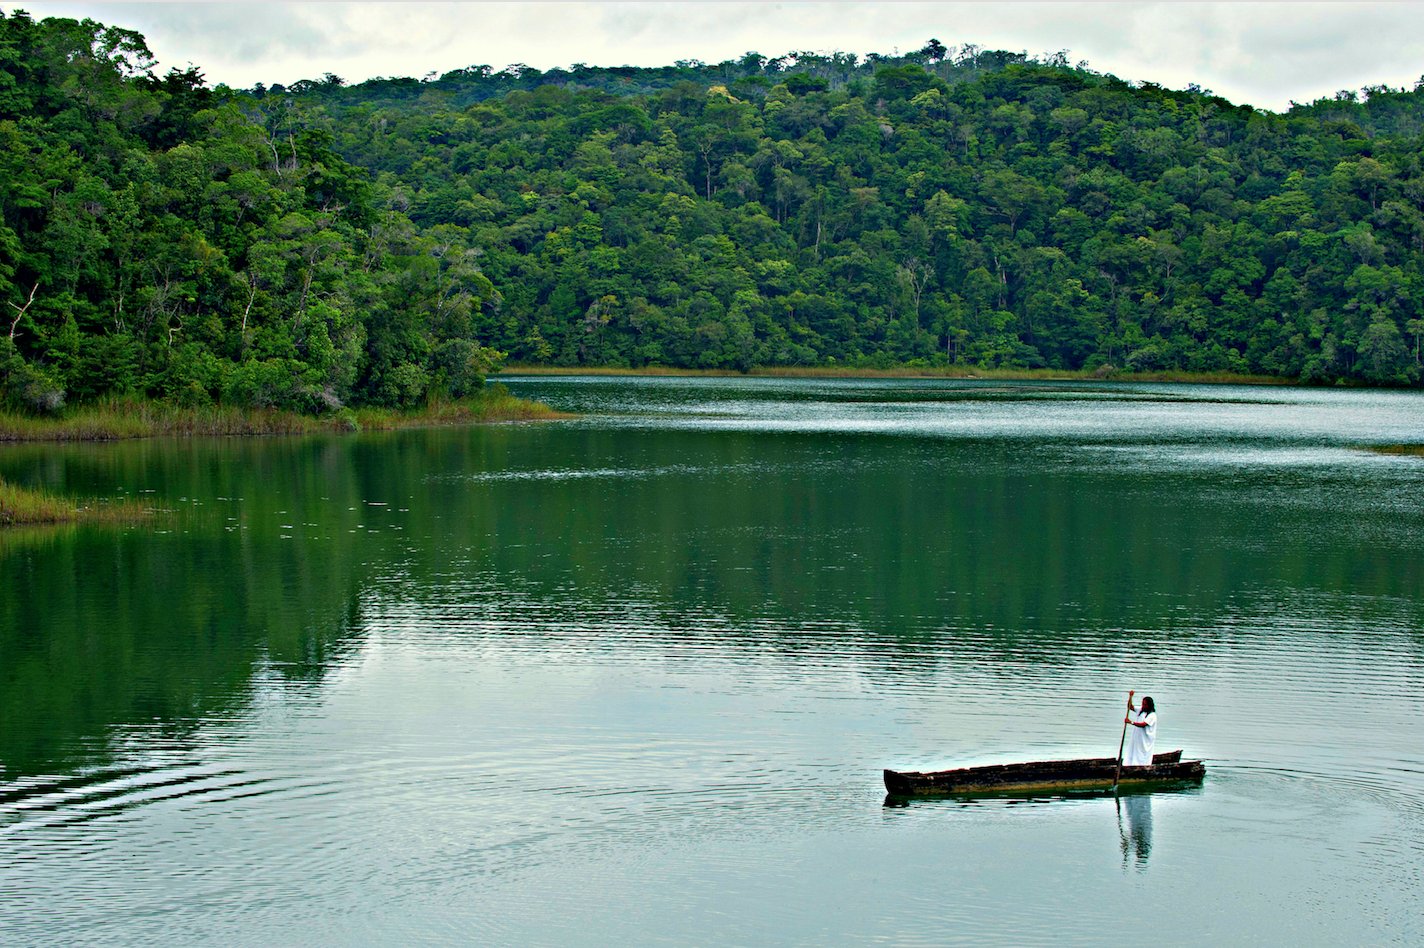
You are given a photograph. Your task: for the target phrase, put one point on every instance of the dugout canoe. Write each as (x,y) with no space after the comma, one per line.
(1092,773)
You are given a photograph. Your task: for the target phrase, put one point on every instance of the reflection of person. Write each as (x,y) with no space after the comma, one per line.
(1137,840)
(1144,733)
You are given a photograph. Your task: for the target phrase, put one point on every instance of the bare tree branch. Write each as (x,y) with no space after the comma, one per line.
(21,310)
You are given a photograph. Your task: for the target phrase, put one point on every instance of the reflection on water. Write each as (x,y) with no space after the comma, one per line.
(1133,810)
(1137,836)
(641,671)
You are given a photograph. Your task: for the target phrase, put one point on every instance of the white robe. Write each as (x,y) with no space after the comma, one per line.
(1138,752)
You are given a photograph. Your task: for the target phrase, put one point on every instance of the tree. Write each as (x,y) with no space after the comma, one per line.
(1382,353)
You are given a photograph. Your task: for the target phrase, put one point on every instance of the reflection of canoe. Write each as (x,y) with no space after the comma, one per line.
(1089,773)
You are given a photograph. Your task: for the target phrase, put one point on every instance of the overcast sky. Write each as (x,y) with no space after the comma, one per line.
(1265,54)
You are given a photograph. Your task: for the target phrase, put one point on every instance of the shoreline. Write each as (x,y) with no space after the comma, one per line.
(911,372)
(124,420)
(133,420)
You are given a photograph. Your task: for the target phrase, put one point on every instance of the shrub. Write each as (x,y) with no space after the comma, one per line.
(271,383)
(26,386)
(465,364)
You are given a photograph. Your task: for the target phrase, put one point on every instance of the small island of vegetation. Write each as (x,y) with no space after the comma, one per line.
(20,506)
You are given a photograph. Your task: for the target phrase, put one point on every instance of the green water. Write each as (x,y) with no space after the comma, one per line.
(634,677)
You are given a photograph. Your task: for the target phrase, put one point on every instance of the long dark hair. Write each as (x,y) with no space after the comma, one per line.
(1148,707)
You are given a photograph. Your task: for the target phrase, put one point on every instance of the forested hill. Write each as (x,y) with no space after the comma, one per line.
(320,244)
(952,205)
(163,239)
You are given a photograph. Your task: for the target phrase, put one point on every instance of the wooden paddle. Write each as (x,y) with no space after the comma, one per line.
(1122,742)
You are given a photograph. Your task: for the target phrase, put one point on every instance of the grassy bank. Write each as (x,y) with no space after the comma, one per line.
(916,372)
(121,419)
(493,406)
(22,506)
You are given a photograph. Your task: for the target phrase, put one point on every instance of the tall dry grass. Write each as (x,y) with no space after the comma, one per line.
(123,419)
(24,506)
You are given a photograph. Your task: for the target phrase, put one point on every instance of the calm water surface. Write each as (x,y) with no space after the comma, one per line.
(633,677)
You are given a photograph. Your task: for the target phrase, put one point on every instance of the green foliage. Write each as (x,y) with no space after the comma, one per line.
(390,242)
(951,206)
(270,383)
(464,365)
(162,239)
(26,386)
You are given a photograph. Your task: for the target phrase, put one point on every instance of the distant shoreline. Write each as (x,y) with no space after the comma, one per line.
(912,372)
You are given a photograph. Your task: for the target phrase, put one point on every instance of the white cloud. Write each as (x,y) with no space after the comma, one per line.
(1262,53)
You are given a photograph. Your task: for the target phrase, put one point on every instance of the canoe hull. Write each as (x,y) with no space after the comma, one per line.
(1086,774)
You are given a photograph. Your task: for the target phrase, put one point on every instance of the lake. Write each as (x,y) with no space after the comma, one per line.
(634,677)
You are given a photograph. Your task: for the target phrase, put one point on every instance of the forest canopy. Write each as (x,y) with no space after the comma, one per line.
(327,244)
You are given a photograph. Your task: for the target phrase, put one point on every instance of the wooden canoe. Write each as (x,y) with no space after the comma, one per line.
(1091,773)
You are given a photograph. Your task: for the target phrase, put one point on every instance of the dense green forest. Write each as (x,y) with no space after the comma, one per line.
(380,243)
(161,238)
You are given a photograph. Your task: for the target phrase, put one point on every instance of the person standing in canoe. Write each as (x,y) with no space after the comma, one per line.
(1144,732)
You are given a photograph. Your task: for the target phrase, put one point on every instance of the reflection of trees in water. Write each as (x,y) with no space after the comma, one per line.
(163,626)
(790,544)
(802,542)
(1135,835)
